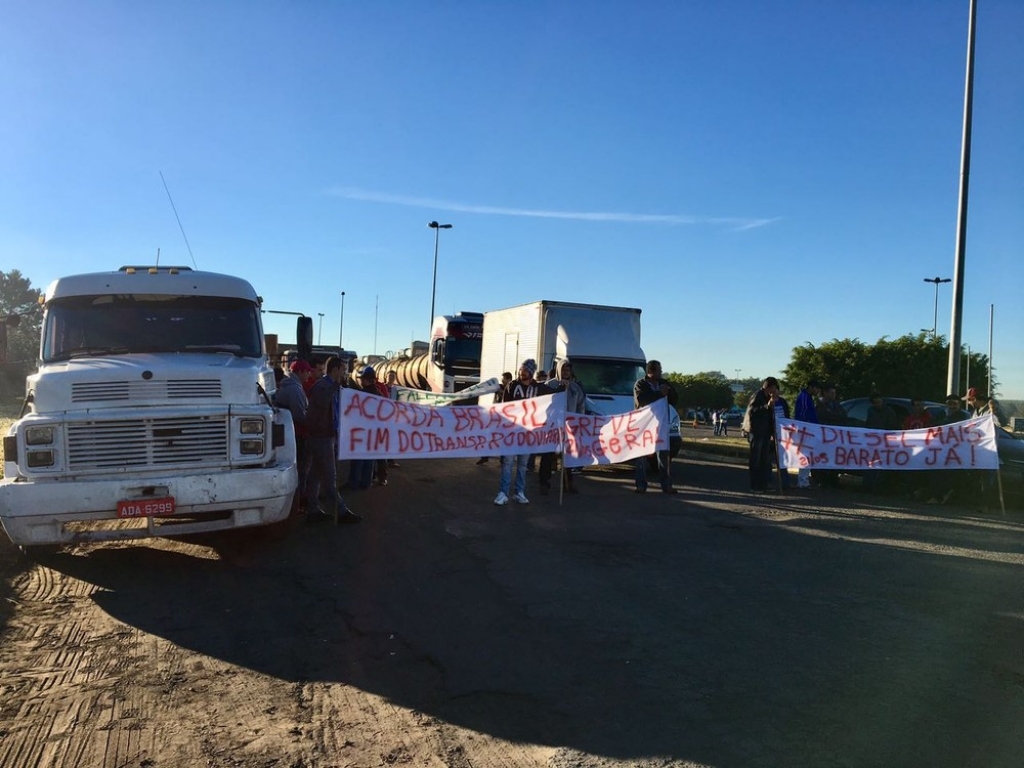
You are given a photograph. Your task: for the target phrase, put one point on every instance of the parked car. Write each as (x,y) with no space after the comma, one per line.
(1009,445)
(734,416)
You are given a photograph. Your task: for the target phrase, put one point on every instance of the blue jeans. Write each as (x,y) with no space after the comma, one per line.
(664,471)
(360,474)
(506,473)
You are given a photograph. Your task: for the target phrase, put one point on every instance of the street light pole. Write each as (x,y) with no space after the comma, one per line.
(341,325)
(320,330)
(433,290)
(935,313)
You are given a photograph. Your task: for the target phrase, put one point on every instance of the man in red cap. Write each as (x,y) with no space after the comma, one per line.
(973,406)
(291,394)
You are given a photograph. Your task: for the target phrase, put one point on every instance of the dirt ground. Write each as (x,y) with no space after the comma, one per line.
(711,628)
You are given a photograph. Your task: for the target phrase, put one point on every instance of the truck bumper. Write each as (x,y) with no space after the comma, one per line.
(65,512)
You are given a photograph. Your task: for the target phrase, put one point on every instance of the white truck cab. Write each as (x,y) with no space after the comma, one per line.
(150,413)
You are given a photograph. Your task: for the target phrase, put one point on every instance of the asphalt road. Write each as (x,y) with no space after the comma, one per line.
(714,628)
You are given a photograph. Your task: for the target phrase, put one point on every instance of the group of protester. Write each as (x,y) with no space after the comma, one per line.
(526,385)
(309,390)
(648,389)
(817,403)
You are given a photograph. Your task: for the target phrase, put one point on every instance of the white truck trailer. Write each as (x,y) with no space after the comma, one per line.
(150,413)
(602,342)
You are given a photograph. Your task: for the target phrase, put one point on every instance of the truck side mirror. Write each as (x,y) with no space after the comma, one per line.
(304,336)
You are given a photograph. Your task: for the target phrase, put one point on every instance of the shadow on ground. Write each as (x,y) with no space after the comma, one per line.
(621,625)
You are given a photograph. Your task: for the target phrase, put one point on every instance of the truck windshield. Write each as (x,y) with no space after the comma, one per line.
(82,326)
(607,377)
(462,353)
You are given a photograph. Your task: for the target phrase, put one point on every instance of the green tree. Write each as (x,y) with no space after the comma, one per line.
(18,297)
(907,366)
(701,391)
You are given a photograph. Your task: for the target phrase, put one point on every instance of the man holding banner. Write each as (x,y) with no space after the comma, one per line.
(647,390)
(522,388)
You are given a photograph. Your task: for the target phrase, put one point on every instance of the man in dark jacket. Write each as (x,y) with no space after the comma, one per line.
(647,390)
(761,415)
(321,422)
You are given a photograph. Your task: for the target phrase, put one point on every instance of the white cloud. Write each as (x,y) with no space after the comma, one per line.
(355,193)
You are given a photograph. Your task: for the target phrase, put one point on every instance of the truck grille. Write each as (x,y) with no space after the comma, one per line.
(187,441)
(170,389)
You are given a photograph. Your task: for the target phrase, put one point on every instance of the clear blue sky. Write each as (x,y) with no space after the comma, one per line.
(753,175)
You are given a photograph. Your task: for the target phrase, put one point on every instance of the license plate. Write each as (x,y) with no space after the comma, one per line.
(146,507)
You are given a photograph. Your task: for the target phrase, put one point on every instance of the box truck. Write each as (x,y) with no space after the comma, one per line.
(602,342)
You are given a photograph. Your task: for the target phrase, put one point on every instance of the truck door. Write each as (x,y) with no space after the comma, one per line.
(510,362)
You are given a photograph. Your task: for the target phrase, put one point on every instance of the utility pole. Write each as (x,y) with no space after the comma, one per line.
(433,290)
(341,325)
(953,374)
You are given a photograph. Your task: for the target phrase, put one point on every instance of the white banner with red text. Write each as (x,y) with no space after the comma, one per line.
(592,439)
(969,444)
(374,427)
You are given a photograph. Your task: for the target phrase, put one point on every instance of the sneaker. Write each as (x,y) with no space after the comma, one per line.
(520,498)
(501,499)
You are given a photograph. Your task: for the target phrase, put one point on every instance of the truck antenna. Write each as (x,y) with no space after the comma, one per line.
(179,220)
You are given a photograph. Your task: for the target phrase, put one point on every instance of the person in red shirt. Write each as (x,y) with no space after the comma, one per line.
(919,417)
(917,484)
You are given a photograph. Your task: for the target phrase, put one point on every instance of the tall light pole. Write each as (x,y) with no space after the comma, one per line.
(433,290)
(959,268)
(341,325)
(935,313)
(320,330)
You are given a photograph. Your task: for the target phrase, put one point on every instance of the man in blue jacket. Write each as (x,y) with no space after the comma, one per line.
(806,410)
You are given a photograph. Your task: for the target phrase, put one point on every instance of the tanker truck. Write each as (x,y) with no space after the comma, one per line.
(449,363)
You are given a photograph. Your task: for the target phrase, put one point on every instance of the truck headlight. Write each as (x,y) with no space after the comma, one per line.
(251,447)
(38,435)
(36,459)
(251,426)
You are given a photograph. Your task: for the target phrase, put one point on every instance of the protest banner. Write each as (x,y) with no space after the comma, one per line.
(969,444)
(374,427)
(421,397)
(592,439)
